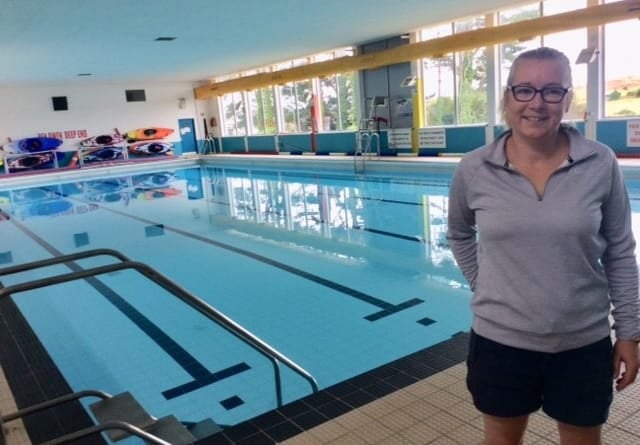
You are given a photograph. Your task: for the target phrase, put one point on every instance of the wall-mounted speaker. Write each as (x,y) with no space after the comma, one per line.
(135,95)
(59,103)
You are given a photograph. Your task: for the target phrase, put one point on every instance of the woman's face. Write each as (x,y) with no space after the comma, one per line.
(536,119)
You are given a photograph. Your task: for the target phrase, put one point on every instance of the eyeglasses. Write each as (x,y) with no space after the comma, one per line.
(526,93)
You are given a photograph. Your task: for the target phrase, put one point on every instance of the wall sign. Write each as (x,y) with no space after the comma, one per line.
(399,137)
(633,133)
(66,134)
(432,138)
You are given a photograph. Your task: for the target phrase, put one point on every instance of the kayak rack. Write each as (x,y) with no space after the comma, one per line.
(259,345)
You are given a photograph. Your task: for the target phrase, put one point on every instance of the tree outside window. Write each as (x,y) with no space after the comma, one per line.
(263,111)
(235,120)
(621,70)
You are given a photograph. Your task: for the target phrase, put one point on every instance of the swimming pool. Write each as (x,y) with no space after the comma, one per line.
(339,275)
(342,273)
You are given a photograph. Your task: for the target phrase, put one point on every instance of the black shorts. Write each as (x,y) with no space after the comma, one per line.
(574,387)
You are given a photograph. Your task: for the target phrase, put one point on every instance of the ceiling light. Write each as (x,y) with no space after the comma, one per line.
(84,74)
(164,39)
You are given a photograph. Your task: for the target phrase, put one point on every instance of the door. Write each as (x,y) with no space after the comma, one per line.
(187,135)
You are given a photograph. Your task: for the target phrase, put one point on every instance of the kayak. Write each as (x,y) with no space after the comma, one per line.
(148,134)
(152,180)
(103,140)
(151,148)
(103,154)
(32,145)
(31,162)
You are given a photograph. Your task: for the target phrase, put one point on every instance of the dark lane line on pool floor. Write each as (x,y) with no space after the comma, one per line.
(385,307)
(201,375)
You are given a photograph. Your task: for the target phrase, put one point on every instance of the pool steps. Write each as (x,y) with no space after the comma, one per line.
(125,408)
(121,407)
(121,416)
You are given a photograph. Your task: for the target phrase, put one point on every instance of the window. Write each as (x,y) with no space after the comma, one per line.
(471,79)
(455,86)
(571,43)
(235,121)
(296,102)
(437,74)
(263,111)
(287,108)
(621,70)
(509,50)
(338,99)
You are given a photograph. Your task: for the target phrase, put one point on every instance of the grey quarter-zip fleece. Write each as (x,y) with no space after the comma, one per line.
(546,270)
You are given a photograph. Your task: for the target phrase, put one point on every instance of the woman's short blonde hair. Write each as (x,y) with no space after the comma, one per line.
(542,53)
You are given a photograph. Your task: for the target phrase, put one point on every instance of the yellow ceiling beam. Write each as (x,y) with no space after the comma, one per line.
(581,18)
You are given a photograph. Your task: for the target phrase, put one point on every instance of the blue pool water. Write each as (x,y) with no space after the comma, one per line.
(340,273)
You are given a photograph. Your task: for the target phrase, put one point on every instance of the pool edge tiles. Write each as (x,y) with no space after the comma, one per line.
(33,378)
(341,165)
(304,414)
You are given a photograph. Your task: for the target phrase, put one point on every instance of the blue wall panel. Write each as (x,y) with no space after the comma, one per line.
(342,142)
(614,134)
(295,143)
(261,144)
(459,140)
(464,139)
(233,144)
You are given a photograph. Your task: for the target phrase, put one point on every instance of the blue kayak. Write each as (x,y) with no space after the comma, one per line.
(32,145)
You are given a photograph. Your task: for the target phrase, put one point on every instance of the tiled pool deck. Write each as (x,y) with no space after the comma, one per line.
(436,410)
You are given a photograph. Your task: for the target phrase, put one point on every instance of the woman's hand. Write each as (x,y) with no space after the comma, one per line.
(625,352)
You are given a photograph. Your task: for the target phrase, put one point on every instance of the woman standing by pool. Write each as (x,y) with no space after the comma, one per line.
(540,225)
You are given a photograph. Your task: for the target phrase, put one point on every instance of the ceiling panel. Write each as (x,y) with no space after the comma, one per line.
(52,42)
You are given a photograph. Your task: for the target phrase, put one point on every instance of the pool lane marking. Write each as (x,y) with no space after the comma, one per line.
(201,375)
(391,234)
(386,307)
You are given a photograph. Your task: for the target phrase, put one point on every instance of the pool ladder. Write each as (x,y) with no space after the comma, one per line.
(208,145)
(196,303)
(364,139)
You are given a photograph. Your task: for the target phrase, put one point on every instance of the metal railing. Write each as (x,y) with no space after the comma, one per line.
(364,139)
(198,304)
(70,437)
(208,145)
(53,402)
(113,425)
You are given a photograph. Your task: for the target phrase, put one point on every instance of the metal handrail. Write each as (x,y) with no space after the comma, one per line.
(377,145)
(53,402)
(62,259)
(70,437)
(208,145)
(113,425)
(366,136)
(361,137)
(200,305)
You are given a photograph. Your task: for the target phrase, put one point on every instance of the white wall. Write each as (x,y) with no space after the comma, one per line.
(209,109)
(98,109)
